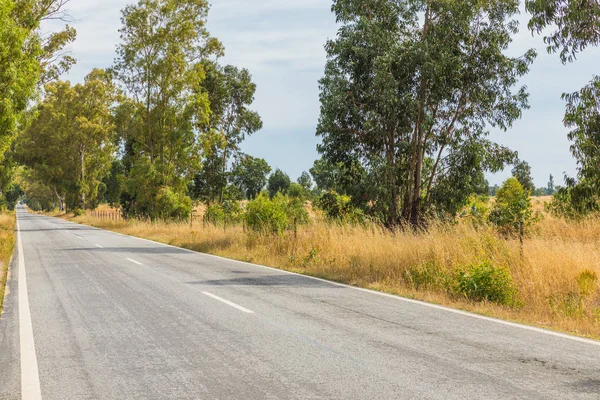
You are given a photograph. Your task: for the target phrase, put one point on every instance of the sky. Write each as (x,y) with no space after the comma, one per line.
(281,43)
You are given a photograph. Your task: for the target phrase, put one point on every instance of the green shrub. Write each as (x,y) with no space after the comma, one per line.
(214,214)
(339,207)
(275,215)
(172,206)
(486,282)
(477,209)
(267,215)
(512,208)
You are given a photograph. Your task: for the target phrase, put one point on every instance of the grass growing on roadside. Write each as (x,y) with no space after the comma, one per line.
(7,242)
(551,282)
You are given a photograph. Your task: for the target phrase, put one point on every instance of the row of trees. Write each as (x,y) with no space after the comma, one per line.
(28,59)
(410,91)
(159,128)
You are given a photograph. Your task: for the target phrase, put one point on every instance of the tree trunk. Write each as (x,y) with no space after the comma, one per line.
(82,182)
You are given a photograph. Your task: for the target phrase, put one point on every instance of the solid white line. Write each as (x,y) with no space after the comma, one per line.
(133,261)
(229,303)
(98,246)
(30,378)
(398,298)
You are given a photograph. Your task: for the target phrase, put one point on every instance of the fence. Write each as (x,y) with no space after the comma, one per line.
(108,215)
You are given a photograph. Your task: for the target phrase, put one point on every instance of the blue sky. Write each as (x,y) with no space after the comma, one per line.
(281,43)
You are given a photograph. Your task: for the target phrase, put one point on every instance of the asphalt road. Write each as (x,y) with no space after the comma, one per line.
(114,317)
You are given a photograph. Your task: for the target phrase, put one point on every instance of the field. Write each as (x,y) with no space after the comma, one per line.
(552,278)
(7,241)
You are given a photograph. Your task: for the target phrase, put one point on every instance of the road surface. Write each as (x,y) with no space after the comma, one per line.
(105,316)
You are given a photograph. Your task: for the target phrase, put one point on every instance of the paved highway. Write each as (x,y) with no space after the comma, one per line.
(91,314)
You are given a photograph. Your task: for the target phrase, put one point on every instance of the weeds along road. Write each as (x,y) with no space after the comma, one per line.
(95,315)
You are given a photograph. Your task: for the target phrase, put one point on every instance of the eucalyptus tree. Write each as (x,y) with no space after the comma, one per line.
(69,143)
(230,91)
(411,89)
(28,57)
(522,171)
(574,26)
(250,174)
(160,65)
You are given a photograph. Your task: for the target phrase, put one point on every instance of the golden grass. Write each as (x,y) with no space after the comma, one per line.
(7,242)
(547,271)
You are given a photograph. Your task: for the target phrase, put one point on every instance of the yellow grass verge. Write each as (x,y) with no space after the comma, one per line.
(7,242)
(556,272)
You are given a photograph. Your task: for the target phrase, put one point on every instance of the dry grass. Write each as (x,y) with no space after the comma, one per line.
(7,242)
(547,271)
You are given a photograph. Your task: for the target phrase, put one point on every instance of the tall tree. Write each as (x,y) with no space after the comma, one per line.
(279,182)
(28,57)
(68,144)
(550,188)
(250,175)
(230,91)
(522,171)
(410,89)
(160,64)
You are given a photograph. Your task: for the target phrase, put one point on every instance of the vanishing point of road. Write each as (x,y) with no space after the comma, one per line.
(91,314)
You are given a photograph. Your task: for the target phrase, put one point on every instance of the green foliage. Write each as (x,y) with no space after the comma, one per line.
(279,182)
(512,208)
(577,201)
(161,64)
(69,141)
(486,282)
(230,91)
(275,215)
(27,57)
(305,181)
(339,207)
(477,209)
(575,24)
(266,215)
(250,174)
(214,213)
(522,171)
(172,206)
(409,91)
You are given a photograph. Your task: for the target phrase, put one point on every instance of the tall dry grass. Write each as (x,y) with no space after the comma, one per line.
(7,241)
(555,272)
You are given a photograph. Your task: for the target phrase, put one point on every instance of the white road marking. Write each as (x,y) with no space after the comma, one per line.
(98,246)
(30,377)
(229,303)
(133,261)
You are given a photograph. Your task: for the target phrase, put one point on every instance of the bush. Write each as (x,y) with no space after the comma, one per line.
(172,206)
(267,215)
(512,208)
(214,214)
(275,215)
(339,207)
(486,282)
(477,209)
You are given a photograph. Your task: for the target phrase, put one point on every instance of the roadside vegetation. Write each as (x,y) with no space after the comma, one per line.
(7,242)
(548,277)
(398,199)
